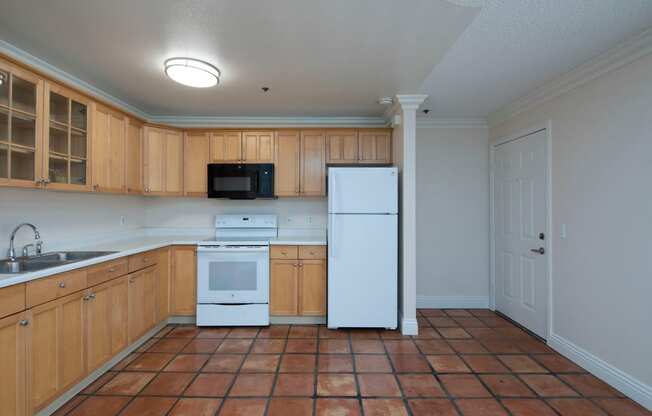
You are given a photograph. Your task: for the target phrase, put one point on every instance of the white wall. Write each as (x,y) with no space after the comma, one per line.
(452,217)
(601,188)
(65,216)
(200,212)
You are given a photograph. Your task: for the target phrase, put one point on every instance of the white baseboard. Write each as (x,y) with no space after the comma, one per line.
(628,385)
(452,302)
(409,326)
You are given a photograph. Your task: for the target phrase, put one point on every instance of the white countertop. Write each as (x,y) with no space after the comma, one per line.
(146,242)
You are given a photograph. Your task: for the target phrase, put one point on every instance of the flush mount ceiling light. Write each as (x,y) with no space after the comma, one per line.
(192,72)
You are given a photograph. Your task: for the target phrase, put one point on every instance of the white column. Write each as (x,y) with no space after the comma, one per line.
(406,107)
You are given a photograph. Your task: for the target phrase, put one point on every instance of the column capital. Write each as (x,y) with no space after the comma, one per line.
(410,101)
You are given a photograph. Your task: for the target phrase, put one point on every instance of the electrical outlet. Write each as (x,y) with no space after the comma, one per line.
(123,220)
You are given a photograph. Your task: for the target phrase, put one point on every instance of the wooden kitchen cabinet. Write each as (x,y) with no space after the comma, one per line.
(134,157)
(300,168)
(312,287)
(13,340)
(109,142)
(163,285)
(225,146)
(56,357)
(298,281)
(163,162)
(258,146)
(21,127)
(284,288)
(288,156)
(342,146)
(196,151)
(12,299)
(142,302)
(313,163)
(66,144)
(375,146)
(183,280)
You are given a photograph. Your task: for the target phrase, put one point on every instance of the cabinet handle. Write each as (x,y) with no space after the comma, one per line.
(112,269)
(145,259)
(295,265)
(131,280)
(92,296)
(62,285)
(86,298)
(24,322)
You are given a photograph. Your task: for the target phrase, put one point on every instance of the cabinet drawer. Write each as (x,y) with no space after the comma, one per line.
(312,252)
(141,261)
(284,252)
(45,290)
(12,299)
(107,271)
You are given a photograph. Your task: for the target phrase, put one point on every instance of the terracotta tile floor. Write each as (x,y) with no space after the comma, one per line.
(464,362)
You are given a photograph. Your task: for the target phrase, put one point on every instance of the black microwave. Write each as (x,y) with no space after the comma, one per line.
(240,181)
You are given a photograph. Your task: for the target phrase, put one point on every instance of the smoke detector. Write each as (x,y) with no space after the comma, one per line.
(385,101)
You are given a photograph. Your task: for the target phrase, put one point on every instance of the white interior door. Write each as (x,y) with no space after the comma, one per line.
(520,233)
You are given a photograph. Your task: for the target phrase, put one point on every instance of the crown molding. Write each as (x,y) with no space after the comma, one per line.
(626,52)
(62,76)
(478,123)
(244,121)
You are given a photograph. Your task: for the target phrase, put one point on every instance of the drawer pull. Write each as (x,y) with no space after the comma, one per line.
(145,259)
(92,296)
(112,269)
(62,285)
(24,322)
(86,298)
(312,253)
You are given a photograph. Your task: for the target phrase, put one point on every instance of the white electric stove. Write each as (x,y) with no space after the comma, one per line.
(233,271)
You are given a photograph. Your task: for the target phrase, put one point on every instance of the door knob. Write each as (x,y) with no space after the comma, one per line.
(539,250)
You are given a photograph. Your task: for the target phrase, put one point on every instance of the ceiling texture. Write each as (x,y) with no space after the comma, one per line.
(321,58)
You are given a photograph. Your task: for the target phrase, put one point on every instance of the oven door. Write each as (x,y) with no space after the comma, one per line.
(236,274)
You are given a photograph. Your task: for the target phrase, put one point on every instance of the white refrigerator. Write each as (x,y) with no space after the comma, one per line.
(362,247)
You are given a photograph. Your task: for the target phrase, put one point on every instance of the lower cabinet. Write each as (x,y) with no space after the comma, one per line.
(183,278)
(163,287)
(298,281)
(56,358)
(13,341)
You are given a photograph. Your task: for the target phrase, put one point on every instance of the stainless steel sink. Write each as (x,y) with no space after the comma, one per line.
(47,260)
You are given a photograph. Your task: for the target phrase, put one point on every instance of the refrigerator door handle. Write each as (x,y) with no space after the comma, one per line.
(331,244)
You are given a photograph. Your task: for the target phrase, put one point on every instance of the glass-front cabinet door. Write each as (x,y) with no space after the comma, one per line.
(20,127)
(66,160)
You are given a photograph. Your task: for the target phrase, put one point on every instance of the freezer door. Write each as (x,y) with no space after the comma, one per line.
(362,190)
(362,271)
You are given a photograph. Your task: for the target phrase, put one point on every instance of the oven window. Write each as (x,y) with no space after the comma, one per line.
(233,183)
(232,276)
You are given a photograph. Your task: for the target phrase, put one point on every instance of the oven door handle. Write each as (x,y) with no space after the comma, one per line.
(208,249)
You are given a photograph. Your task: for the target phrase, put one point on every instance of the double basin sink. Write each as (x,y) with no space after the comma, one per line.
(47,260)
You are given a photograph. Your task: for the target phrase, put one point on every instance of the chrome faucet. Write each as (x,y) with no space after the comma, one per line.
(37,237)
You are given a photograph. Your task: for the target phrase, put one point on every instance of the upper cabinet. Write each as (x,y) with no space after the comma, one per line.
(21,117)
(242,147)
(226,146)
(163,161)
(196,151)
(109,144)
(375,146)
(134,157)
(300,168)
(342,146)
(258,146)
(66,143)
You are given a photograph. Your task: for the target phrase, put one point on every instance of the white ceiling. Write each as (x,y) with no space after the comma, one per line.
(320,58)
(514,46)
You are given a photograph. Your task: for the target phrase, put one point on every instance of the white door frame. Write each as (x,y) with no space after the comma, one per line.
(547,126)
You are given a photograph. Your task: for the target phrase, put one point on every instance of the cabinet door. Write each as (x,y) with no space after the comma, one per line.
(13,341)
(154,166)
(163,285)
(342,146)
(183,291)
(134,158)
(98,326)
(313,163)
(21,127)
(258,146)
(173,163)
(108,144)
(375,146)
(226,146)
(57,348)
(312,287)
(287,169)
(66,148)
(118,313)
(284,286)
(196,154)
(142,302)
